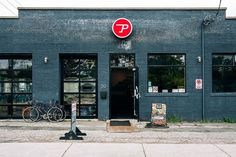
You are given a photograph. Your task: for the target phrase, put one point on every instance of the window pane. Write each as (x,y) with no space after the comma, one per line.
(22,64)
(17,111)
(4,64)
(166,79)
(71,75)
(22,87)
(5,99)
(222,60)
(21,99)
(68,98)
(224,79)
(24,75)
(5,87)
(88,75)
(87,64)
(122,60)
(87,87)
(71,64)
(71,87)
(163,59)
(87,110)
(87,99)
(3,111)
(235,60)
(5,76)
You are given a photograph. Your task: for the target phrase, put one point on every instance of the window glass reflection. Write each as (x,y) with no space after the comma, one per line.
(87,111)
(87,64)
(87,99)
(71,64)
(22,64)
(4,63)
(71,75)
(23,75)
(222,60)
(87,87)
(164,59)
(166,78)
(22,87)
(5,76)
(166,73)
(68,98)
(21,99)
(79,76)
(5,99)
(5,87)
(88,75)
(70,87)
(224,79)
(3,111)
(122,60)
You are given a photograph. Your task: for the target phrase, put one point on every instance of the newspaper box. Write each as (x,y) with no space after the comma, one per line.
(158,114)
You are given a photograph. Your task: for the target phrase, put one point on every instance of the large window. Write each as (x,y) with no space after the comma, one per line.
(15,85)
(224,73)
(80,84)
(166,73)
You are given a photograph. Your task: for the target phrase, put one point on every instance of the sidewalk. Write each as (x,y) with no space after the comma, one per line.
(20,139)
(12,131)
(115,150)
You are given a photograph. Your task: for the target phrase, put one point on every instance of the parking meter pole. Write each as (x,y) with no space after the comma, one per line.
(72,134)
(73,117)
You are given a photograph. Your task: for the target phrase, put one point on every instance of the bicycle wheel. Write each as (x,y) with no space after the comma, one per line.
(30,114)
(63,116)
(54,114)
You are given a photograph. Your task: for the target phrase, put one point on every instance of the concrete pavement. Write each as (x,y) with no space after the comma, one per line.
(115,150)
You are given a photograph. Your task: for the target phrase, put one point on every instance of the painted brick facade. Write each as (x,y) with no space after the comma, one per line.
(53,32)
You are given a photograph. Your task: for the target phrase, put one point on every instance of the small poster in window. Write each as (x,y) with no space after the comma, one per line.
(155,89)
(164,90)
(149,89)
(149,83)
(181,90)
(175,90)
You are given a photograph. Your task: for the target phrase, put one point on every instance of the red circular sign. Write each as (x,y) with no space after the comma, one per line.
(122,28)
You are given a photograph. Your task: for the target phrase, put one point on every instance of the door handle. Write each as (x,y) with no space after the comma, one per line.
(136,93)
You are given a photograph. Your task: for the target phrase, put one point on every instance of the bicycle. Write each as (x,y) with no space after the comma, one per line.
(40,110)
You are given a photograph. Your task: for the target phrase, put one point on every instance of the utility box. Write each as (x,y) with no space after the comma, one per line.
(158,114)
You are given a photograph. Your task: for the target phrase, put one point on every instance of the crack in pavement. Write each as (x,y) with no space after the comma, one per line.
(66,150)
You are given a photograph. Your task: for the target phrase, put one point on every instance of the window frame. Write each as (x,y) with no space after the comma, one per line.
(233,65)
(11,70)
(166,93)
(80,81)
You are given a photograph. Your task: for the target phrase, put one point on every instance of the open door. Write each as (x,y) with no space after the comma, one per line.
(124,92)
(136,95)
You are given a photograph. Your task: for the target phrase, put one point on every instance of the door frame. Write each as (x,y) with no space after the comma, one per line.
(63,56)
(110,69)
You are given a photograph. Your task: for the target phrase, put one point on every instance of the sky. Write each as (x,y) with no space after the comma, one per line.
(9,8)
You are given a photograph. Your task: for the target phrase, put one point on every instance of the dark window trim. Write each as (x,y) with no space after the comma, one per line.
(152,94)
(11,70)
(80,56)
(222,94)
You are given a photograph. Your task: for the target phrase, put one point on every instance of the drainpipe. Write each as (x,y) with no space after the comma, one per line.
(206,21)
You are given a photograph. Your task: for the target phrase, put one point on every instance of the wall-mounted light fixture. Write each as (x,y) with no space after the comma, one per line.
(199,59)
(45,60)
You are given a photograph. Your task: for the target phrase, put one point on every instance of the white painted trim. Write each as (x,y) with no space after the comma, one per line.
(229,5)
(122,8)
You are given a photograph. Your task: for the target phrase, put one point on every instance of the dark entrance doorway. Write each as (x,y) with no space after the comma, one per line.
(123,103)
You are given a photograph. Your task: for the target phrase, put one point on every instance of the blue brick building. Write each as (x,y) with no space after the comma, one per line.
(73,55)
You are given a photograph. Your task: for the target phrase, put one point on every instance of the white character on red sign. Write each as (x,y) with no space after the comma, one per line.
(122,28)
